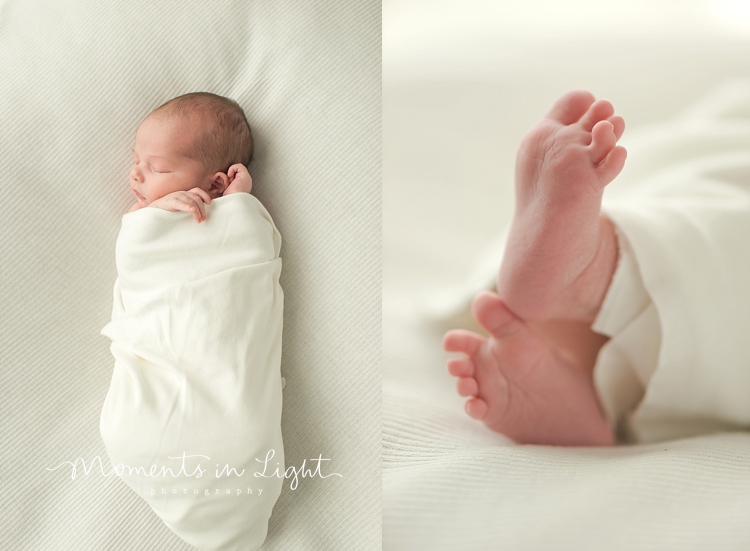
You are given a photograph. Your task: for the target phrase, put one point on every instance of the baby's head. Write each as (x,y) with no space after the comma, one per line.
(190,141)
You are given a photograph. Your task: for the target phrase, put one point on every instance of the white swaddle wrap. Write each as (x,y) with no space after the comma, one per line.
(196,335)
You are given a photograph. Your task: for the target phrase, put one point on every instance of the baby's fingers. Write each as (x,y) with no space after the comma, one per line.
(202,194)
(235,169)
(200,213)
(186,203)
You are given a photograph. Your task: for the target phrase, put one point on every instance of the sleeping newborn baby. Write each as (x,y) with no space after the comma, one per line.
(179,160)
(192,419)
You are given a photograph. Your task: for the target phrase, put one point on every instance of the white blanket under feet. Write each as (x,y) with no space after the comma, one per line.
(196,335)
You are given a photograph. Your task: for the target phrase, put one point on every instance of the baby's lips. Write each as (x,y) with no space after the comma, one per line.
(137,195)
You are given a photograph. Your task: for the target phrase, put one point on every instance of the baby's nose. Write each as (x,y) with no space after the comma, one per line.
(135,174)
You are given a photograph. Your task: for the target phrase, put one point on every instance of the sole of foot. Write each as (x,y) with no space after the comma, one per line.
(561,252)
(518,387)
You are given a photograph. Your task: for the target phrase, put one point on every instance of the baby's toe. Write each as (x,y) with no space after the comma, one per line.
(619,124)
(459,340)
(461,367)
(603,139)
(491,313)
(571,106)
(476,408)
(467,386)
(612,164)
(600,110)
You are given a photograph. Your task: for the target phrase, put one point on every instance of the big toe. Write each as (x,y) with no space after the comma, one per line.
(570,107)
(491,313)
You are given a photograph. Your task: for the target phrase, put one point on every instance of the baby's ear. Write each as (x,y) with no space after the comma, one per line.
(218,184)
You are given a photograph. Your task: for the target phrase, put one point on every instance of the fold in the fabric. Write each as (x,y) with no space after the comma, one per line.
(196,335)
(627,361)
(684,210)
(689,242)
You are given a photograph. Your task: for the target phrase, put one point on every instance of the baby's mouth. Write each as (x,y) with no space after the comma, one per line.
(138,195)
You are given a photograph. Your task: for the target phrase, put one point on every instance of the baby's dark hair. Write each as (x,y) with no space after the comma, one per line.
(227,138)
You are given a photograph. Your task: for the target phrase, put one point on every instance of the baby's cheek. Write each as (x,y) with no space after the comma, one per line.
(159,190)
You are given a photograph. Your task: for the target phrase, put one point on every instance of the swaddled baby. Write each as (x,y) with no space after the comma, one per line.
(192,419)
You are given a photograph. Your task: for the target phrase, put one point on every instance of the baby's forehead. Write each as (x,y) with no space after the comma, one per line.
(179,131)
(184,124)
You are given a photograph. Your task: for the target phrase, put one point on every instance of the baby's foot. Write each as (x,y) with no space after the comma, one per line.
(519,387)
(560,252)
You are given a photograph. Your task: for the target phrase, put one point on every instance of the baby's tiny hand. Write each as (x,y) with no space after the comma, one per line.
(187,201)
(239,180)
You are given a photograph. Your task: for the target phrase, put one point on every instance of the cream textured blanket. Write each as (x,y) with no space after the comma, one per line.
(192,419)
